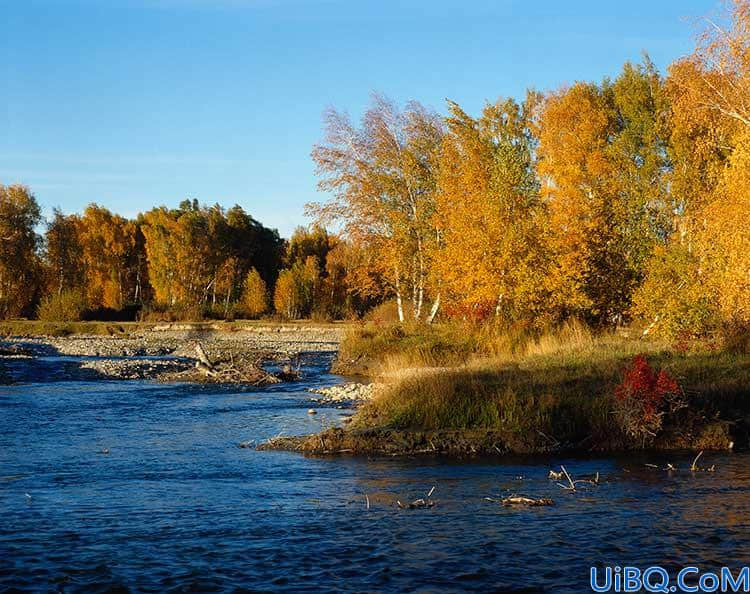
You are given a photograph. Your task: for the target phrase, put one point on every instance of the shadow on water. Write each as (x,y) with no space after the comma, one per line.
(131,484)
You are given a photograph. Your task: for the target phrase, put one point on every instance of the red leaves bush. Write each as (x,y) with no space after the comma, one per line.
(644,397)
(470,312)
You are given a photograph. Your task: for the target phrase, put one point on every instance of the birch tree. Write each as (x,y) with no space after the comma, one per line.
(382,180)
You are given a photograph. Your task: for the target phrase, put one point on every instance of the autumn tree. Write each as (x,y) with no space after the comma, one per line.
(709,93)
(178,250)
(287,296)
(108,242)
(602,162)
(722,59)
(63,253)
(382,180)
(305,242)
(329,272)
(723,244)
(255,294)
(351,285)
(488,211)
(200,256)
(20,271)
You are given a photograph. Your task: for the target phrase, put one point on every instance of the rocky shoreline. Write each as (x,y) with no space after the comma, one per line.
(168,354)
(351,393)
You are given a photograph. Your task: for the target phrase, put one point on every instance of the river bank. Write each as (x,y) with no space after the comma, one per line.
(462,391)
(168,352)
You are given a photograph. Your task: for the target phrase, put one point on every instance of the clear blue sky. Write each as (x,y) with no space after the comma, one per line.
(135,103)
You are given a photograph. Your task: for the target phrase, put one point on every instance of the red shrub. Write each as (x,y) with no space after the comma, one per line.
(470,312)
(643,397)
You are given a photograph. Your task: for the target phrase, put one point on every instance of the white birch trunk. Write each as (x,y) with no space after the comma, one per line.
(498,306)
(420,294)
(434,310)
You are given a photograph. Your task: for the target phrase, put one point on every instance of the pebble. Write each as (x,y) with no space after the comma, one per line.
(351,392)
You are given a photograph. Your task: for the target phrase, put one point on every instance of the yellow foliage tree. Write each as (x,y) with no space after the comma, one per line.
(20,273)
(255,294)
(709,92)
(287,296)
(107,243)
(724,242)
(488,212)
(603,164)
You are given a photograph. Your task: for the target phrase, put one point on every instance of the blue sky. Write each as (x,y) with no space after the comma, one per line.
(136,103)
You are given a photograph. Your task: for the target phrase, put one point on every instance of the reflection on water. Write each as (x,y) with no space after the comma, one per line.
(175,504)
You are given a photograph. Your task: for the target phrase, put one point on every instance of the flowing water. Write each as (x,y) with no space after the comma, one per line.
(135,486)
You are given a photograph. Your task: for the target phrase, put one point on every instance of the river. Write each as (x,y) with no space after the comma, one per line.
(135,486)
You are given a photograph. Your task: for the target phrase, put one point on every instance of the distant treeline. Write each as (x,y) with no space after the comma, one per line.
(190,262)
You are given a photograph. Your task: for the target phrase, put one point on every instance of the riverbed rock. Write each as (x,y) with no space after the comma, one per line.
(169,354)
(351,392)
(134,368)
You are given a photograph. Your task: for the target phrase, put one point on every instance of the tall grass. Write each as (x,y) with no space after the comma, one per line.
(407,346)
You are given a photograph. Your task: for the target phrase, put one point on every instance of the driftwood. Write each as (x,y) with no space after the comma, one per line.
(288,373)
(693,467)
(522,500)
(418,503)
(202,356)
(203,364)
(227,372)
(571,486)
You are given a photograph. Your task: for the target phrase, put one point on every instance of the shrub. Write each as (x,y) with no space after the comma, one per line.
(384,313)
(68,306)
(643,398)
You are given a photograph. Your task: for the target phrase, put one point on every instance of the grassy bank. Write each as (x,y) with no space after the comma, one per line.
(536,392)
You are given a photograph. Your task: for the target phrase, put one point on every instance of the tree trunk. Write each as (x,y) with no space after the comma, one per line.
(420,300)
(420,295)
(434,310)
(399,301)
(498,306)
(400,305)
(226,304)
